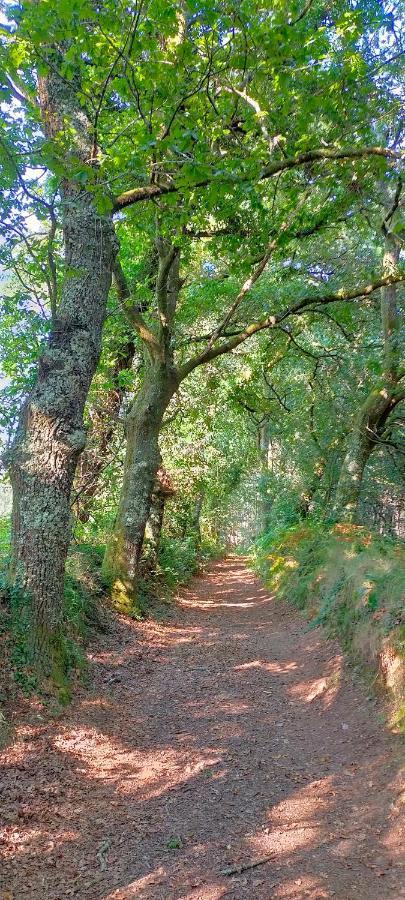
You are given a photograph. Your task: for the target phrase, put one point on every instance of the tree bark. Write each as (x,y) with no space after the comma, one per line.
(196,516)
(162,490)
(154,525)
(142,462)
(50,434)
(143,426)
(263,442)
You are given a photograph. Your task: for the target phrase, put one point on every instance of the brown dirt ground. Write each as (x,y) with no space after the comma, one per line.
(229,734)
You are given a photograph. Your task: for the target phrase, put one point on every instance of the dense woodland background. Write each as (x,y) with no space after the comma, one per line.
(201,296)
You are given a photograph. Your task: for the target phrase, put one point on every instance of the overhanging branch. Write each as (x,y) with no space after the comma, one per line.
(273,321)
(151,191)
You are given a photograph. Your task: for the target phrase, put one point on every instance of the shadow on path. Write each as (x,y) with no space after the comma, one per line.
(228,735)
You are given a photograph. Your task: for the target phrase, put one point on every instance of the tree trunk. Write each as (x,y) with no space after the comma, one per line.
(50,434)
(196,516)
(373,415)
(153,531)
(265,506)
(351,474)
(306,501)
(141,465)
(163,489)
(103,427)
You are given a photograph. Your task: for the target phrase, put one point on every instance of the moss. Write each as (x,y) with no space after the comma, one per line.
(46,663)
(122,596)
(120,588)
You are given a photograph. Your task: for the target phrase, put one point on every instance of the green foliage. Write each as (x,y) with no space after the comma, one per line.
(254,85)
(84,591)
(4,544)
(174,843)
(178,560)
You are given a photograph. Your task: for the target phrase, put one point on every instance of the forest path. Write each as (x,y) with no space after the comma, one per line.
(229,734)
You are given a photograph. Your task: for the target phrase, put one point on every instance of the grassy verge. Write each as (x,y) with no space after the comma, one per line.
(352,582)
(179,559)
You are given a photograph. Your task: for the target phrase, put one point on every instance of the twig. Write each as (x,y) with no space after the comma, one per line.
(306,9)
(244,867)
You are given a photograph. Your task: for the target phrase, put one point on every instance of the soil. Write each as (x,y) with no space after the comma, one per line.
(225,753)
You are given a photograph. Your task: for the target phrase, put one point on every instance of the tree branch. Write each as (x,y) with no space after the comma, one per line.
(273,321)
(17,92)
(306,9)
(151,191)
(134,317)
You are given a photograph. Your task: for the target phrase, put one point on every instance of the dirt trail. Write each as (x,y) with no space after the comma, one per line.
(229,734)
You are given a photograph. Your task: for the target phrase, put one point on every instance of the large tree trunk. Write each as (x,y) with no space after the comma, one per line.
(372,417)
(50,435)
(357,454)
(141,465)
(154,525)
(363,440)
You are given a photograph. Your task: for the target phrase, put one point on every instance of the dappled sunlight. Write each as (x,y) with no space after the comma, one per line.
(305,886)
(164,638)
(96,703)
(283,841)
(143,775)
(248,603)
(223,707)
(394,837)
(325,688)
(37,839)
(211,892)
(311,800)
(207,747)
(137,888)
(272,667)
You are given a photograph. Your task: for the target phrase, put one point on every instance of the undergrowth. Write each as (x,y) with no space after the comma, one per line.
(179,559)
(352,582)
(86,611)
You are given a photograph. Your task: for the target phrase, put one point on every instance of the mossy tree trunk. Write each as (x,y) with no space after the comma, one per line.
(50,435)
(143,425)
(154,525)
(162,490)
(142,461)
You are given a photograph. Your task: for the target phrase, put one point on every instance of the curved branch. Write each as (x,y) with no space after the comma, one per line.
(273,321)
(306,9)
(151,191)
